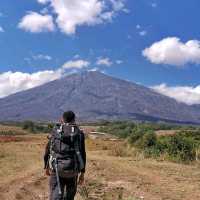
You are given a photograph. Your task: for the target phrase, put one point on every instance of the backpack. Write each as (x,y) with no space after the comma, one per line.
(65,157)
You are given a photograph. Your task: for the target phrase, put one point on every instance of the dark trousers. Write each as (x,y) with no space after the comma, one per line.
(68,188)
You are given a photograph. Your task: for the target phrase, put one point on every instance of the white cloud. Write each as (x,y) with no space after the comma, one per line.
(117,5)
(35,23)
(126,10)
(42,57)
(75,13)
(140,31)
(184,94)
(2,29)
(172,51)
(12,82)
(76,64)
(104,61)
(143,33)
(71,14)
(43,1)
(94,69)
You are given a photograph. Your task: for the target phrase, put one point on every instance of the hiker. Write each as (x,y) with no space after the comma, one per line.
(65,158)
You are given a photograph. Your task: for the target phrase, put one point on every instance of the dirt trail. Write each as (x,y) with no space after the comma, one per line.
(110,177)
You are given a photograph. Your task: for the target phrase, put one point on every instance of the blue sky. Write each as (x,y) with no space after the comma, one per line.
(63,36)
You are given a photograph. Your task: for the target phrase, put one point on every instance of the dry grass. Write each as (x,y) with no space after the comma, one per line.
(21,156)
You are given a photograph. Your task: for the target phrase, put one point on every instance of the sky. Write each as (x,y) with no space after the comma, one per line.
(155,43)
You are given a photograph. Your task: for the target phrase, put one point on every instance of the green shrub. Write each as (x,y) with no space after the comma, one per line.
(136,135)
(181,148)
(29,125)
(120,129)
(37,127)
(149,139)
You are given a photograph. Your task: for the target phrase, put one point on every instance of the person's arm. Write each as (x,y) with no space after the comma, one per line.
(46,159)
(81,179)
(83,151)
(46,155)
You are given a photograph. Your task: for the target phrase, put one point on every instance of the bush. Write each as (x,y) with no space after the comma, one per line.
(149,140)
(36,127)
(182,148)
(136,135)
(120,129)
(29,125)
(178,147)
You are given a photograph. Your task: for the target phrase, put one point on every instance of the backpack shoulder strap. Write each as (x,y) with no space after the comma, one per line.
(77,146)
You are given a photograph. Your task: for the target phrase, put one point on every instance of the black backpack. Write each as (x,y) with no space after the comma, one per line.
(65,157)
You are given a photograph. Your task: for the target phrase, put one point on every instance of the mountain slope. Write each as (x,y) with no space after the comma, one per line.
(93,96)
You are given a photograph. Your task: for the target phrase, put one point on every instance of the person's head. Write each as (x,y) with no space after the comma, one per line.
(69,117)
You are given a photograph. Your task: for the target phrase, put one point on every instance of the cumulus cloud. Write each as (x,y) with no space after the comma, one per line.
(184,94)
(12,82)
(172,51)
(104,61)
(75,13)
(71,14)
(76,64)
(36,23)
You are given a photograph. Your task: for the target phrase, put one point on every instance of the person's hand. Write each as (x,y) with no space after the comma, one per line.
(81,179)
(47,172)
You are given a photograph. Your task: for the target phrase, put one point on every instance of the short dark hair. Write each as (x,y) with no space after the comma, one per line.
(69,116)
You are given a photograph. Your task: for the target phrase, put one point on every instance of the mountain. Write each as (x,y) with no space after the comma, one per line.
(94,96)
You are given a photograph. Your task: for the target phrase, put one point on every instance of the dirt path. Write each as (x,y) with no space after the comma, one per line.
(110,177)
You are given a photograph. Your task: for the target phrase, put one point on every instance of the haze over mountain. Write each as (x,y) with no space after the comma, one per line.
(95,96)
